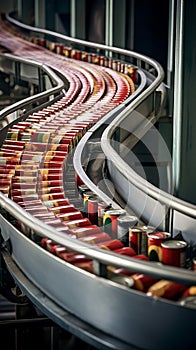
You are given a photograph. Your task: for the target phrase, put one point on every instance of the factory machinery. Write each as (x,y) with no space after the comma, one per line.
(79,223)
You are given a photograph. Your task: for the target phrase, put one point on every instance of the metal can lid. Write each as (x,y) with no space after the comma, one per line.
(146,229)
(159,235)
(115,212)
(127,219)
(93,198)
(88,194)
(174,244)
(135,229)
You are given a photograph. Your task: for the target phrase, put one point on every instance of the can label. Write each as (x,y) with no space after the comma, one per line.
(110,221)
(174,253)
(124,224)
(102,206)
(86,196)
(154,244)
(93,209)
(138,240)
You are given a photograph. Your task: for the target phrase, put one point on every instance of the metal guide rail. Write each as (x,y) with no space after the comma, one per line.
(102,292)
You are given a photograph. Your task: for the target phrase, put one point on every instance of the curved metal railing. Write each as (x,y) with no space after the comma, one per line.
(172,214)
(21,107)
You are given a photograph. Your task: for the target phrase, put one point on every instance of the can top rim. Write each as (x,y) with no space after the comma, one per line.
(159,235)
(115,212)
(174,244)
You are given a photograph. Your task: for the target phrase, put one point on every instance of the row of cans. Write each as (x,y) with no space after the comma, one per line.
(94,58)
(158,246)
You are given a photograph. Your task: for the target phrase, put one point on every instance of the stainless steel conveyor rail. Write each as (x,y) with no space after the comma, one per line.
(169,212)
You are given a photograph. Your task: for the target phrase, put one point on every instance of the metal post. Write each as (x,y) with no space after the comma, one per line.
(109,24)
(177,111)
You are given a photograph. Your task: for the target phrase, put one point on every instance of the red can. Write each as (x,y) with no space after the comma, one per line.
(72,215)
(85,265)
(77,223)
(154,244)
(93,209)
(174,253)
(111,244)
(74,258)
(138,239)
(102,206)
(82,189)
(189,291)
(110,222)
(63,209)
(56,203)
(125,251)
(49,184)
(86,196)
(95,238)
(85,231)
(143,282)
(166,289)
(52,196)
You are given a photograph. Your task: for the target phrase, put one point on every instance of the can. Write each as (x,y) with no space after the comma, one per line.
(110,221)
(125,251)
(86,265)
(59,48)
(111,244)
(72,215)
(132,72)
(174,253)
(143,282)
(62,209)
(47,190)
(84,56)
(52,196)
(49,184)
(154,244)
(77,223)
(102,207)
(84,231)
(24,198)
(82,189)
(124,223)
(56,203)
(166,289)
(93,209)
(95,238)
(138,239)
(67,51)
(102,61)
(86,196)
(75,258)
(189,291)
(50,177)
